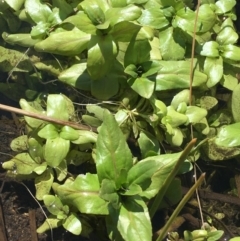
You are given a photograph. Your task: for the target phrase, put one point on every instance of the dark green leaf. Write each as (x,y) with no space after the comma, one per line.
(148,143)
(108,192)
(105,87)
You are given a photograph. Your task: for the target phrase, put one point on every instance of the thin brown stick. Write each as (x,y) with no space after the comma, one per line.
(47,118)
(3,235)
(33,227)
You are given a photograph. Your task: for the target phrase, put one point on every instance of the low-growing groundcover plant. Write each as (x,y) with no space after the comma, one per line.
(134,57)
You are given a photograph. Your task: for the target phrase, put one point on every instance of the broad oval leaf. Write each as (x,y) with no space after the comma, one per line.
(229,136)
(195,114)
(83,193)
(49,131)
(55,151)
(113,154)
(134,221)
(73,224)
(67,43)
(37,11)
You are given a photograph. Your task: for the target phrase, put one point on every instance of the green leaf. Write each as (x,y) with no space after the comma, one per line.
(57,107)
(207,17)
(19,143)
(77,76)
(177,118)
(141,174)
(43,184)
(231,52)
(143,86)
(53,204)
(85,137)
(154,17)
(15,4)
(83,193)
(165,163)
(49,131)
(173,193)
(180,97)
(72,224)
(94,11)
(102,51)
(82,22)
(105,87)
(128,13)
(21,164)
(55,151)
(175,75)
(67,43)
(113,154)
(224,6)
(148,144)
(134,221)
(68,133)
(227,34)
(185,19)
(213,67)
(228,136)
(50,223)
(108,192)
(175,137)
(220,151)
(22,39)
(235,103)
(138,52)
(195,114)
(37,11)
(210,49)
(124,31)
(172,44)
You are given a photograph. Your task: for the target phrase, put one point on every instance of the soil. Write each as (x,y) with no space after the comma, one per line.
(20,214)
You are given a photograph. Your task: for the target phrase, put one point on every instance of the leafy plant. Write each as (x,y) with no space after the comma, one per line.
(134,57)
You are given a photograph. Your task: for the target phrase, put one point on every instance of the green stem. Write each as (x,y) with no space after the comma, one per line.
(153,208)
(180,207)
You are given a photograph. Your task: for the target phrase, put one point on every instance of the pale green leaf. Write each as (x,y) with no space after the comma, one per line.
(235,103)
(55,151)
(73,224)
(43,184)
(83,193)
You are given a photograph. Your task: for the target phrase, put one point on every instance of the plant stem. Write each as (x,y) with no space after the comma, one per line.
(179,207)
(153,208)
